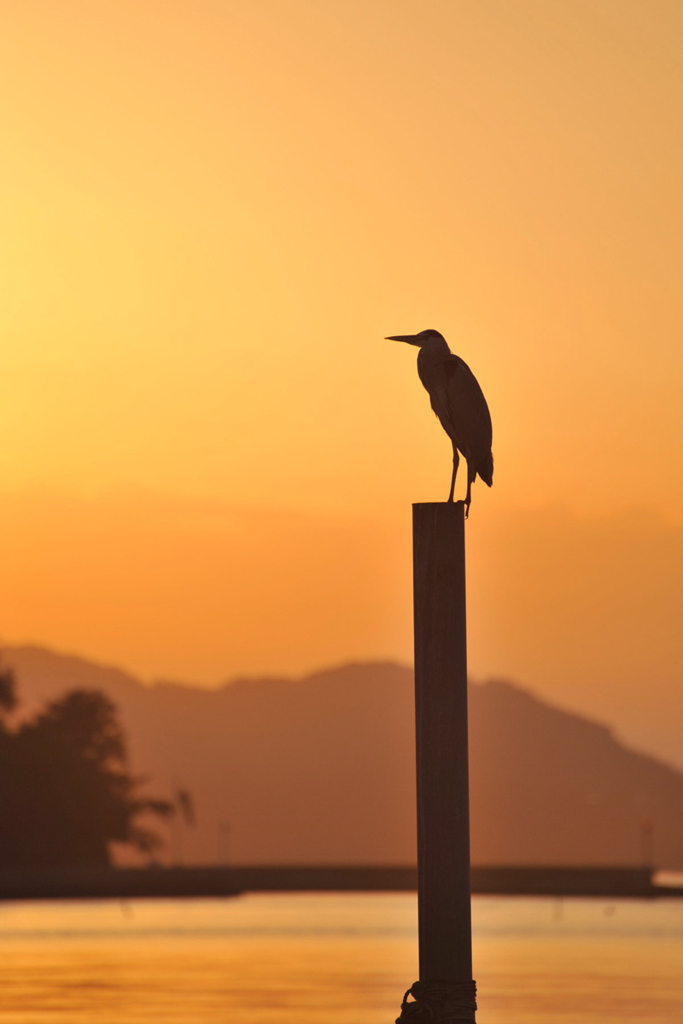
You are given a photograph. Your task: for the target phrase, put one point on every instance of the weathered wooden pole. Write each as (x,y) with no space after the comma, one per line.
(445,993)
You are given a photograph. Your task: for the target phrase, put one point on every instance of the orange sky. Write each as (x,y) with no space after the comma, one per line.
(212,214)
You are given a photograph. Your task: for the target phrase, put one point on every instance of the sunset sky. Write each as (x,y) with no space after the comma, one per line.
(213,211)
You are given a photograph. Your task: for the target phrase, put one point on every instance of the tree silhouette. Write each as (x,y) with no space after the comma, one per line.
(65,789)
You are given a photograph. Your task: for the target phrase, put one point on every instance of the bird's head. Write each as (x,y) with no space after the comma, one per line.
(428,338)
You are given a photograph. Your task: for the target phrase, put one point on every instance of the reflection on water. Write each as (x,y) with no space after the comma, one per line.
(331,959)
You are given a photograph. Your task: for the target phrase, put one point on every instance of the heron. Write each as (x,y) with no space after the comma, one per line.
(459,404)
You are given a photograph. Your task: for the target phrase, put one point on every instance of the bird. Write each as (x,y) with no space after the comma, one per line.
(459,403)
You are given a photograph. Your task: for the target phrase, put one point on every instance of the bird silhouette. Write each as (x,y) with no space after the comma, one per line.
(459,403)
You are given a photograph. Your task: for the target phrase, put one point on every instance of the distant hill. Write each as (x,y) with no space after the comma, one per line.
(321,770)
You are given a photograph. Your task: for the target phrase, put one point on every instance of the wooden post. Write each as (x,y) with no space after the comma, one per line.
(445,988)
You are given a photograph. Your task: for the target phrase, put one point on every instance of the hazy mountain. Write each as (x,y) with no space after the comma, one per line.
(321,770)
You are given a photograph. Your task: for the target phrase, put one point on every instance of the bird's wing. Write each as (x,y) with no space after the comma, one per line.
(468,411)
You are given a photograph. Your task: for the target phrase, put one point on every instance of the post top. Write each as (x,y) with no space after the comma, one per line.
(460,505)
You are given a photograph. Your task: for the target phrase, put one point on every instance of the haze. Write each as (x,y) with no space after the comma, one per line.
(213,213)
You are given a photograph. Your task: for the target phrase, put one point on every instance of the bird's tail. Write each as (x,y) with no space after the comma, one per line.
(485,469)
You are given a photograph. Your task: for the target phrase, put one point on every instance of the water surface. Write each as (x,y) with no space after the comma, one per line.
(331,959)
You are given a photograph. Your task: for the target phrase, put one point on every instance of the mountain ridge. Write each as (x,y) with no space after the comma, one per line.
(321,769)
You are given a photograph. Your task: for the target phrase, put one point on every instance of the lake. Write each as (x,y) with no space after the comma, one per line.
(319,958)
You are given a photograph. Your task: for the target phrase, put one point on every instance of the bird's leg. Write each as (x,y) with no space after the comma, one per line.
(456,460)
(468,498)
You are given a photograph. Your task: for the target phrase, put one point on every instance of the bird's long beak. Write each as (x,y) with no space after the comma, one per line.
(411,339)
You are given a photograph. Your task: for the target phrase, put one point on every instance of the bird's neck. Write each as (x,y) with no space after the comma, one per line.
(432,356)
